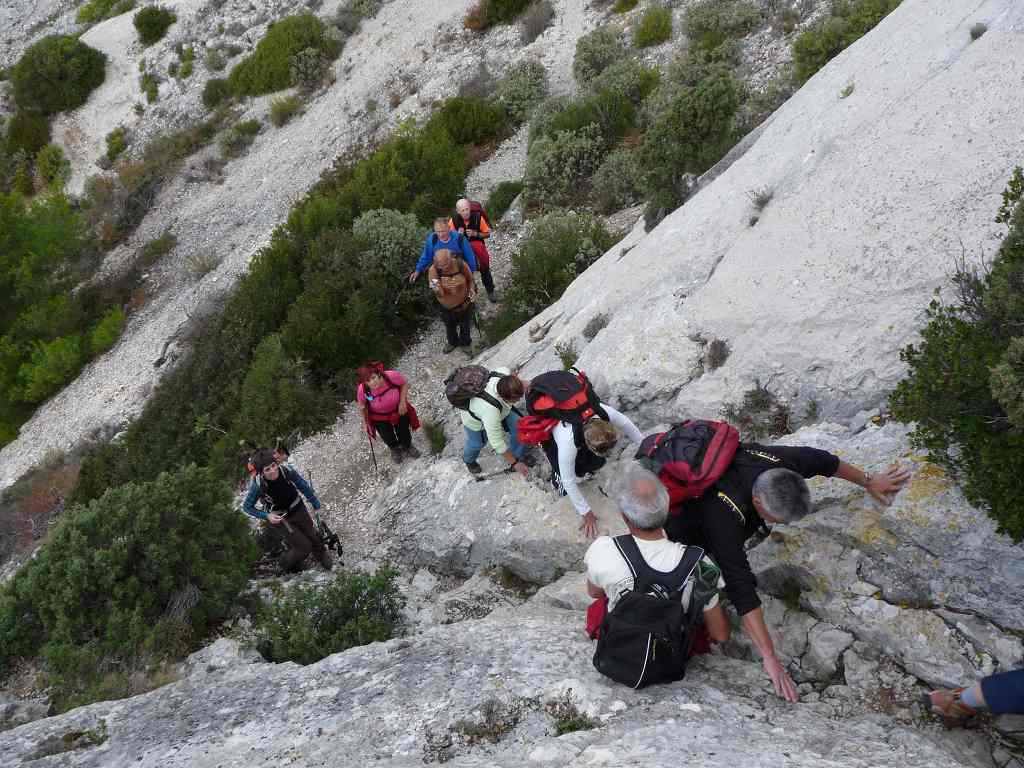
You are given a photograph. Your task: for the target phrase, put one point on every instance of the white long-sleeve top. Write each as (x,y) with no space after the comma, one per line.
(563,437)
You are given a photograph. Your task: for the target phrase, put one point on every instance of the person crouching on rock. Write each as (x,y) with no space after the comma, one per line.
(576,432)
(453,287)
(383,398)
(280,490)
(493,413)
(754,485)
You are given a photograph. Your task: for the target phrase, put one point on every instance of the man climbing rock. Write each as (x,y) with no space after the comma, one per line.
(492,412)
(754,485)
(576,432)
(470,219)
(280,490)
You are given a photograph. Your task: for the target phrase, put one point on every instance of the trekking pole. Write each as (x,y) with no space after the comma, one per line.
(373,454)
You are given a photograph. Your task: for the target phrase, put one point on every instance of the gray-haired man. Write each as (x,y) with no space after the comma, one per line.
(765,484)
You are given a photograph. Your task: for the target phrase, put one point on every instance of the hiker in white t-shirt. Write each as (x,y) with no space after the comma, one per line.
(643,504)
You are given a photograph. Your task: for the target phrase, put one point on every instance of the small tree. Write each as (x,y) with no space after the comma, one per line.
(57,73)
(152,23)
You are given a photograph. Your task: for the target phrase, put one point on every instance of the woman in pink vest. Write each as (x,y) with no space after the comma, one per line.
(383,398)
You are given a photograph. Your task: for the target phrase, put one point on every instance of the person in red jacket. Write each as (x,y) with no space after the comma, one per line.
(470,219)
(383,397)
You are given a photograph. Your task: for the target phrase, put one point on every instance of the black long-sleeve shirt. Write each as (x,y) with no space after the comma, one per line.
(724,518)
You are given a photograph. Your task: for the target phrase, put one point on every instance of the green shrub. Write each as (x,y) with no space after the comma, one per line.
(595,52)
(977,30)
(470,121)
(53,167)
(501,198)
(27,132)
(622,6)
(216,90)
(149,569)
(559,167)
(107,331)
(849,21)
(964,388)
(713,22)
(535,20)
(557,248)
(187,60)
(150,86)
(52,364)
(487,13)
(308,69)
(522,88)
(283,109)
(310,622)
(693,133)
(654,28)
(616,183)
(238,138)
(95,11)
(152,23)
(268,68)
(56,74)
(214,60)
(759,415)
(117,142)
(612,113)
(160,246)
(628,78)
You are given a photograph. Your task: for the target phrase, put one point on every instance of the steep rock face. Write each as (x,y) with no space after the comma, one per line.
(471,694)
(872,196)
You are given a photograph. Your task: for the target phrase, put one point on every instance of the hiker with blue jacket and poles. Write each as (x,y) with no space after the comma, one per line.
(444,238)
(282,492)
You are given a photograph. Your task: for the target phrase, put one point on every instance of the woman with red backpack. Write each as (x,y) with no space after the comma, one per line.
(383,398)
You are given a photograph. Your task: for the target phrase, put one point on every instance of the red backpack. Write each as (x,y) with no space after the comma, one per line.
(690,457)
(555,397)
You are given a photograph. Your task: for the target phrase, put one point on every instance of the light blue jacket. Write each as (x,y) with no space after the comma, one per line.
(456,242)
(253,495)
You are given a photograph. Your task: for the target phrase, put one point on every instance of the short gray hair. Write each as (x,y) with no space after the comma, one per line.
(783,494)
(642,498)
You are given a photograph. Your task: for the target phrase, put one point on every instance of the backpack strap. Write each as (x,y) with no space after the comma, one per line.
(645,578)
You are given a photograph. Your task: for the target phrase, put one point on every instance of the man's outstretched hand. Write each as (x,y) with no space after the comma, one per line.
(885,485)
(785,688)
(589,525)
(413,276)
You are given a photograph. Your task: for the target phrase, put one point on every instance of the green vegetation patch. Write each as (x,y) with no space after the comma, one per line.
(57,73)
(27,132)
(152,23)
(711,23)
(849,21)
(95,11)
(965,381)
(501,198)
(654,27)
(268,68)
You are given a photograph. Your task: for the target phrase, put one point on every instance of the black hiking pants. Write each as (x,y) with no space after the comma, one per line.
(394,435)
(302,539)
(485,277)
(586,462)
(457,325)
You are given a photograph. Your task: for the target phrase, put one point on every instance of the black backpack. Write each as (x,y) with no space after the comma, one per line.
(647,638)
(468,382)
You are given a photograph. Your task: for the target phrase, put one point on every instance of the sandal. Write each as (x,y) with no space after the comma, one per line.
(949,706)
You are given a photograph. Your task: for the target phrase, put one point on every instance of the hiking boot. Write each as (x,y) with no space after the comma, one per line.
(474,467)
(492,296)
(413,451)
(326,562)
(396,455)
(948,706)
(528,460)
(448,349)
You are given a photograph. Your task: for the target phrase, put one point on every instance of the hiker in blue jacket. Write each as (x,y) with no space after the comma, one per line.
(443,237)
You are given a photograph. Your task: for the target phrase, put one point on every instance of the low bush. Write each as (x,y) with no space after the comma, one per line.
(759,415)
(487,13)
(52,167)
(152,23)
(149,569)
(214,60)
(712,22)
(117,142)
(977,30)
(436,438)
(692,134)
(107,331)
(308,69)
(522,88)
(595,52)
(559,167)
(965,379)
(501,198)
(535,20)
(215,92)
(849,21)
(268,68)
(471,121)
(57,73)
(616,183)
(557,248)
(150,86)
(654,27)
(156,248)
(95,11)
(311,622)
(595,325)
(628,78)
(350,15)
(201,263)
(238,138)
(612,113)
(283,109)
(622,6)
(27,132)
(50,366)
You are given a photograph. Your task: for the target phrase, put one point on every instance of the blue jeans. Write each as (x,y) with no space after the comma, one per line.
(1004,693)
(475,439)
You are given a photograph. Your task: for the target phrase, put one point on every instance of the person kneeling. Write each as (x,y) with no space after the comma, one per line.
(645,577)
